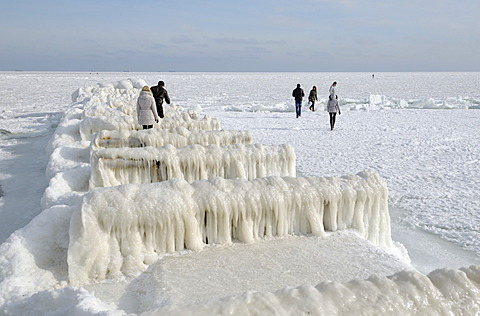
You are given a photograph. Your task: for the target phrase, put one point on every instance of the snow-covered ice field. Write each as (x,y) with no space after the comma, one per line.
(418,131)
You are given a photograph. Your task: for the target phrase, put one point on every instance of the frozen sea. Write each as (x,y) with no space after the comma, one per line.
(419,131)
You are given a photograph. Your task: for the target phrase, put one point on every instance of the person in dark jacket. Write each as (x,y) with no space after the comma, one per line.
(160,94)
(312,97)
(298,94)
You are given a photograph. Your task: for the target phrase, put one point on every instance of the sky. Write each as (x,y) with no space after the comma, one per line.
(250,35)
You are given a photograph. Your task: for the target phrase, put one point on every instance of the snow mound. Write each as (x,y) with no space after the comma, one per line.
(442,292)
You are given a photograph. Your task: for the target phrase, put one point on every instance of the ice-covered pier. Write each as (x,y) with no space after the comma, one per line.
(187,183)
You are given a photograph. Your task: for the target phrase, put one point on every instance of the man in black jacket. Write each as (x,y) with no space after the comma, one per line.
(160,94)
(298,94)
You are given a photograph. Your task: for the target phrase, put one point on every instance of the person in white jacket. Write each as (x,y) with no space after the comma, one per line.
(333,88)
(333,108)
(146,108)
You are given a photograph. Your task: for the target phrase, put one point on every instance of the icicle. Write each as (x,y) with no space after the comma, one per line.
(116,166)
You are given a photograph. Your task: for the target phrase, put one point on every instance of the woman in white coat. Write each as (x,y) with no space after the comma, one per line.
(333,108)
(146,108)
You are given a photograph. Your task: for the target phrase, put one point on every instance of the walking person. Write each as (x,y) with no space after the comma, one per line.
(333,89)
(146,108)
(312,97)
(298,94)
(160,94)
(333,108)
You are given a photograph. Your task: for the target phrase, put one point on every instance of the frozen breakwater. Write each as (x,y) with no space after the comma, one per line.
(138,223)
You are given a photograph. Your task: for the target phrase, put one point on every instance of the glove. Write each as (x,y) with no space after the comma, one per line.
(339,112)
(156,120)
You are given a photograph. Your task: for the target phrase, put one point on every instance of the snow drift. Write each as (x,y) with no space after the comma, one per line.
(116,166)
(121,230)
(441,292)
(178,137)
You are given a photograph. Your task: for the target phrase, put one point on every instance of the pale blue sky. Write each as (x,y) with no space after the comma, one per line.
(222,35)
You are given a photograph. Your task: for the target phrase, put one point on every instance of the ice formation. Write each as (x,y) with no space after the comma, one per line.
(114,108)
(132,225)
(116,166)
(441,292)
(178,137)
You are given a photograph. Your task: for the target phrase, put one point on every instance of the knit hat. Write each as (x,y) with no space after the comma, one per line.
(145,88)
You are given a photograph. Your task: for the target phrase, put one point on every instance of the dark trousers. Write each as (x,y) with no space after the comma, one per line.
(332,119)
(160,110)
(312,106)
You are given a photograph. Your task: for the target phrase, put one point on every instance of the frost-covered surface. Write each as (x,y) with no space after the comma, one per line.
(116,166)
(178,137)
(426,157)
(442,292)
(121,230)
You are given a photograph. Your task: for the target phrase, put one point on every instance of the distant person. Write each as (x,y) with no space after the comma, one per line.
(332,90)
(146,108)
(373,76)
(312,97)
(333,108)
(160,94)
(298,94)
